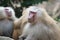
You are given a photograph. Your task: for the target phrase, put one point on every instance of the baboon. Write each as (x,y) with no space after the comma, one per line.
(39,26)
(18,25)
(7,17)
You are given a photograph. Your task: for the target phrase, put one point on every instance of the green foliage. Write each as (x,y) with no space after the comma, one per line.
(57,19)
(27,3)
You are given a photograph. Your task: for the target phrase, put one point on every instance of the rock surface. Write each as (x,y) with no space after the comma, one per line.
(5,38)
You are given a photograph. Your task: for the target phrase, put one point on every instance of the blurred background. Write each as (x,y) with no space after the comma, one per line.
(52,6)
(18,5)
